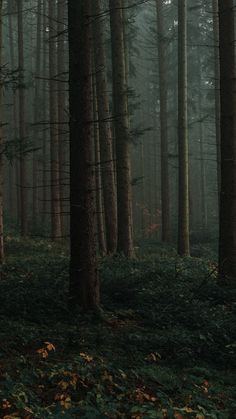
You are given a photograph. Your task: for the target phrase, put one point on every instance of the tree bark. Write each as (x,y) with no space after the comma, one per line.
(121,125)
(215,10)
(56,232)
(44,195)
(183,216)
(165,194)
(99,190)
(36,114)
(84,283)
(61,89)
(1,146)
(22,122)
(227,239)
(14,168)
(204,197)
(105,133)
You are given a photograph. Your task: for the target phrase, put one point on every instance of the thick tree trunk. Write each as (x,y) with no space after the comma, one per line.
(22,122)
(1,147)
(183,216)
(165,195)
(56,232)
(227,239)
(121,124)
(84,283)
(105,133)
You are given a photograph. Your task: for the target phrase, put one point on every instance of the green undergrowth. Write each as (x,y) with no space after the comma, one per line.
(164,347)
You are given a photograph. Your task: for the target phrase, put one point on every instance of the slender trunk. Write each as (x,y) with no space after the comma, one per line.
(14,168)
(183,217)
(121,124)
(36,115)
(84,283)
(165,195)
(54,142)
(202,156)
(44,117)
(99,200)
(227,239)
(99,190)
(105,133)
(61,88)
(22,122)
(125,18)
(143,200)
(215,9)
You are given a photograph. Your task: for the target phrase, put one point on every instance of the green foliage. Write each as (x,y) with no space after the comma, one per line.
(162,349)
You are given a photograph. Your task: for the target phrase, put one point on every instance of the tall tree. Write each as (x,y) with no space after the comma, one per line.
(183,216)
(84,283)
(36,112)
(165,198)
(227,239)
(121,125)
(105,133)
(44,84)
(22,120)
(215,10)
(102,247)
(1,144)
(56,232)
(61,102)
(202,150)
(13,166)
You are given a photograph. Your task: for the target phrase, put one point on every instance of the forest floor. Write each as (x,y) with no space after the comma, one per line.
(165,349)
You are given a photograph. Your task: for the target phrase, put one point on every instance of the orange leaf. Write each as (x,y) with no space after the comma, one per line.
(86,357)
(49,346)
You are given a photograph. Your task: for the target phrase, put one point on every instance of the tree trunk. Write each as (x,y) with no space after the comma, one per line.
(121,125)
(203,210)
(215,9)
(15,166)
(99,190)
(84,283)
(44,167)
(1,147)
(54,149)
(37,114)
(183,216)
(105,133)
(22,123)
(61,88)
(165,195)
(227,239)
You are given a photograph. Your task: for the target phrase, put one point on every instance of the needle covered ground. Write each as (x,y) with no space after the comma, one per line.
(164,346)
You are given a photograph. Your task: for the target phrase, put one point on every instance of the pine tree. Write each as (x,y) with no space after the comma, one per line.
(22,122)
(122,137)
(227,239)
(84,283)
(183,216)
(105,132)
(165,194)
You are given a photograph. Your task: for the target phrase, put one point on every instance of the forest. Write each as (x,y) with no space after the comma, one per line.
(117,209)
